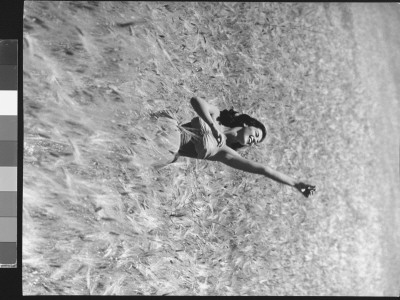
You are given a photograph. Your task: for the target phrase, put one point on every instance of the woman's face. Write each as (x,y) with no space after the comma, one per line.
(249,135)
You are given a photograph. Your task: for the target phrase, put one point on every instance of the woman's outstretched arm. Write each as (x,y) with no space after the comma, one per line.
(231,158)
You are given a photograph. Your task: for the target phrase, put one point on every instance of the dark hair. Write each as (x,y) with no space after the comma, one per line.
(229,118)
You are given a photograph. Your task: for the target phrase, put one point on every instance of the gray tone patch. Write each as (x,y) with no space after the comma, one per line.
(8,77)
(8,128)
(8,204)
(8,153)
(8,52)
(8,179)
(8,253)
(8,232)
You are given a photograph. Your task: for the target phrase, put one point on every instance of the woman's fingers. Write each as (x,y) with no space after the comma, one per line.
(310,190)
(222,140)
(306,189)
(217,135)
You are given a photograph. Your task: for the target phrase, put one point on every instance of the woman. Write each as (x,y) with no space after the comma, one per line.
(215,135)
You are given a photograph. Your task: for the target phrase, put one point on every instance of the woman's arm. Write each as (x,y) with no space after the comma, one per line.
(231,158)
(209,113)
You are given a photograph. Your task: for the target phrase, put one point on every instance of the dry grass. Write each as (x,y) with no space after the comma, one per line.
(98,220)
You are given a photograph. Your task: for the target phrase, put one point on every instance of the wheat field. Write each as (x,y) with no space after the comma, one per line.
(98,219)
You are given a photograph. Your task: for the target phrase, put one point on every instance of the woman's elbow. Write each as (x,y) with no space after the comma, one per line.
(194,101)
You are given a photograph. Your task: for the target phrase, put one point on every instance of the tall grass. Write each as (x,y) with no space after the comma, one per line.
(99,220)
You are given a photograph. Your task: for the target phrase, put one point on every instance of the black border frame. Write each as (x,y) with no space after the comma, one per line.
(11,24)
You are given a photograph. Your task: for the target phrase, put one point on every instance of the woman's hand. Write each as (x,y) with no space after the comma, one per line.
(305,189)
(220,137)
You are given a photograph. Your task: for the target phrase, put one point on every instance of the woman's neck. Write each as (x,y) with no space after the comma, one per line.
(230,133)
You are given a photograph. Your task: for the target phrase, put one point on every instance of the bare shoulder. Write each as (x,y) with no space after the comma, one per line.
(214,108)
